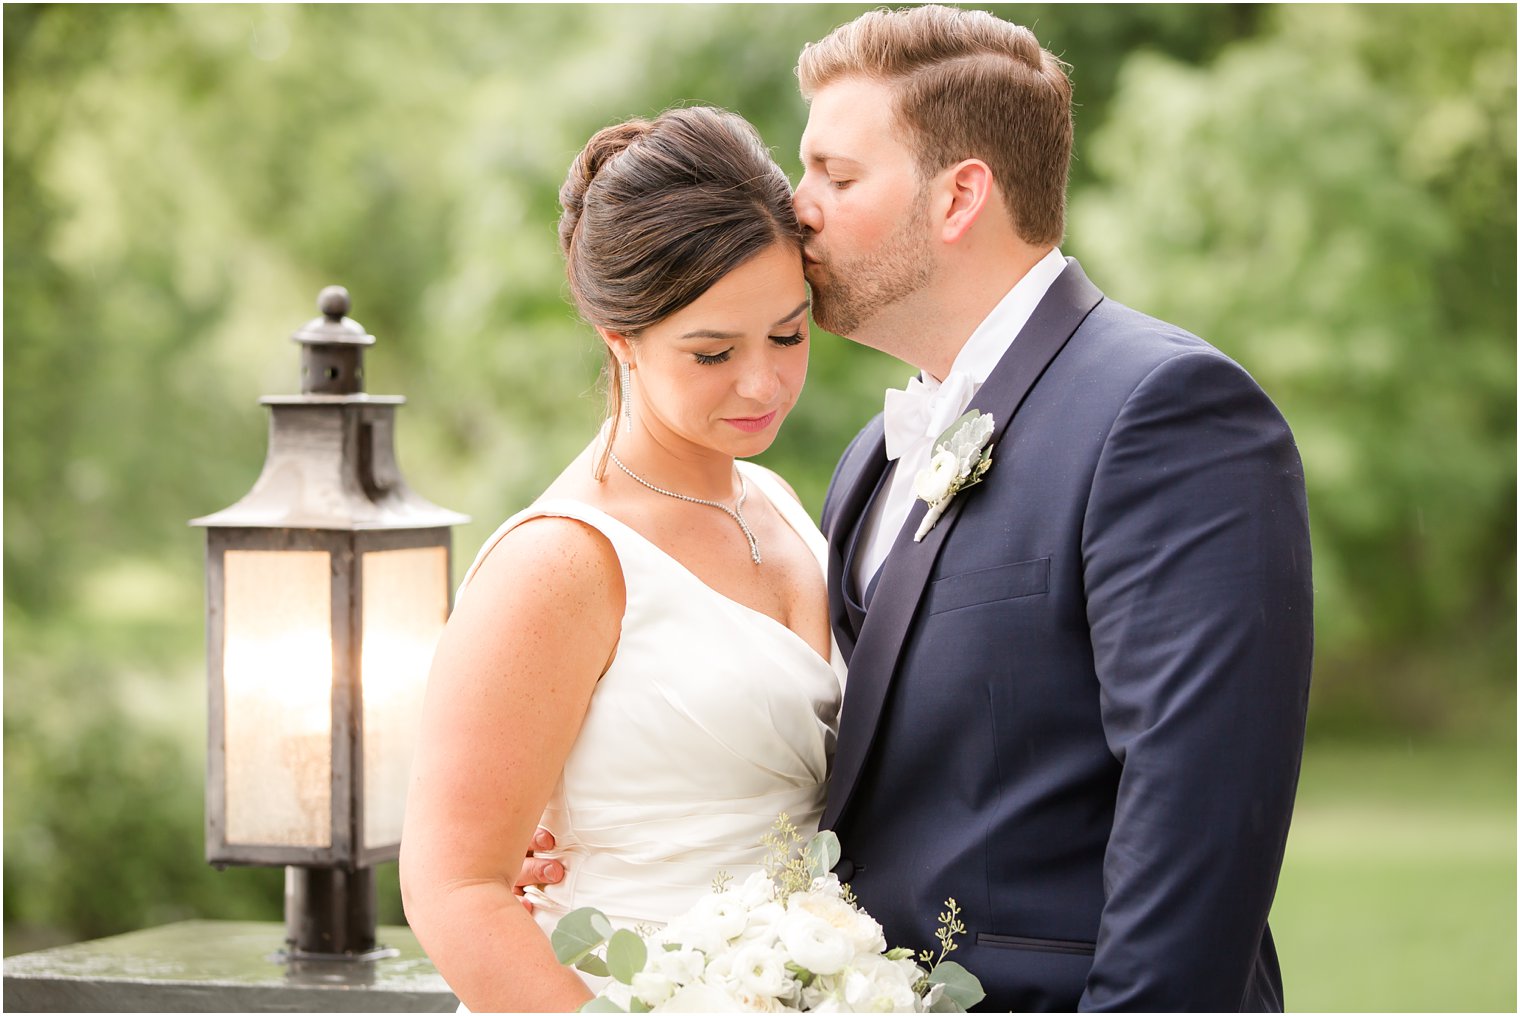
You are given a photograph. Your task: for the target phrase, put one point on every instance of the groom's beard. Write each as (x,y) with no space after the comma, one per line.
(847,293)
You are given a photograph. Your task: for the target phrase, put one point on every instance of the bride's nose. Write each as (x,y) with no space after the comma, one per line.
(760,382)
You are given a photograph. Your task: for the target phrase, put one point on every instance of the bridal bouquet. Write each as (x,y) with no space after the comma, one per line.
(789,938)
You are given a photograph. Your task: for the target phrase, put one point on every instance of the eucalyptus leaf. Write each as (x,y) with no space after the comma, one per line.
(626,955)
(823,853)
(579,932)
(600,1004)
(961,985)
(594,965)
(636,1004)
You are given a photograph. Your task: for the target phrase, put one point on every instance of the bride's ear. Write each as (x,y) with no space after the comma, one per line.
(618,343)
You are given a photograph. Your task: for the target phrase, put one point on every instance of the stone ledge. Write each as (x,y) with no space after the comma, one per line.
(219,966)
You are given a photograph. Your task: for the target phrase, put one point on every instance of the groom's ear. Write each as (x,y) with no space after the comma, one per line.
(968,189)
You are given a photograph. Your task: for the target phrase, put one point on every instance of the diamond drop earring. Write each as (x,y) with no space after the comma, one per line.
(627,396)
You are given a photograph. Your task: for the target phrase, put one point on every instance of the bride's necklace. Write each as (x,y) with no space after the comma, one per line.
(736,512)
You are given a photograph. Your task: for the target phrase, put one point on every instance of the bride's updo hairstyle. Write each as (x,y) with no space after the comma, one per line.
(654,212)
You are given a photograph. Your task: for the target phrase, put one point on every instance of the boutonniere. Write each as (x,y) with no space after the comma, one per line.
(959,461)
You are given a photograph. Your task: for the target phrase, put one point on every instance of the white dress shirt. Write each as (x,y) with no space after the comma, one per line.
(975,361)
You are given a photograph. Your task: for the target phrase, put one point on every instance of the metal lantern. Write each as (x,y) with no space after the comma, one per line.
(327,587)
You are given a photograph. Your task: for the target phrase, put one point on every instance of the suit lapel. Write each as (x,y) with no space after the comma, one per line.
(905,573)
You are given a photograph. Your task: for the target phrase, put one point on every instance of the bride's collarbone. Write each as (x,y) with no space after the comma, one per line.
(787,585)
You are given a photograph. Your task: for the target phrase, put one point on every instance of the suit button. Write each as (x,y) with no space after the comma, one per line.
(845,869)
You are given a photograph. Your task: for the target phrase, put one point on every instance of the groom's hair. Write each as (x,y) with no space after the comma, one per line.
(966,85)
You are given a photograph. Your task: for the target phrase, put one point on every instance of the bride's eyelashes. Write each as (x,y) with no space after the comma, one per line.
(710,359)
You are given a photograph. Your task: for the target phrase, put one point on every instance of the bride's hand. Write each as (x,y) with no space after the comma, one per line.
(535,871)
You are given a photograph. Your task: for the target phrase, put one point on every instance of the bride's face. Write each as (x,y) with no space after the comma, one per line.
(722,372)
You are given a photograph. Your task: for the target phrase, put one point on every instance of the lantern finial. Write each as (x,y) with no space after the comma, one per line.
(333,303)
(332,347)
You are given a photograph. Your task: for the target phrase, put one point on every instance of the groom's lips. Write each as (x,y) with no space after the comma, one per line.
(752,424)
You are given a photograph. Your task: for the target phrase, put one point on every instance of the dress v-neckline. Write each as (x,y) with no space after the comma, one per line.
(811,650)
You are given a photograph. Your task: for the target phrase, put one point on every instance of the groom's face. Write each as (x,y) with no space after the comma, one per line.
(864,208)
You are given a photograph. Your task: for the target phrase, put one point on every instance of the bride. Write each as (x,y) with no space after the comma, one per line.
(641,660)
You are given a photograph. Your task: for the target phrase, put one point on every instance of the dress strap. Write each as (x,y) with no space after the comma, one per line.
(617,533)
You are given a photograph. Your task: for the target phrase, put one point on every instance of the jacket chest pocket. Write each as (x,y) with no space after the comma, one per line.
(989,585)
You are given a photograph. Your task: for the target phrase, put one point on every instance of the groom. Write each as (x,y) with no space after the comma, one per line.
(1077,704)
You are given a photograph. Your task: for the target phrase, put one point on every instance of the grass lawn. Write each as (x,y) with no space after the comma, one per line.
(1398,890)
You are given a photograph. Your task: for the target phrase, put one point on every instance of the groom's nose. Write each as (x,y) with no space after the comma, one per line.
(809,213)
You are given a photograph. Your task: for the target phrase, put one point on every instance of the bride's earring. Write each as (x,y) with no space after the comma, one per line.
(627,396)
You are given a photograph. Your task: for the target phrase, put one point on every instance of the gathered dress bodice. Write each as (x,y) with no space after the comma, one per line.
(711,719)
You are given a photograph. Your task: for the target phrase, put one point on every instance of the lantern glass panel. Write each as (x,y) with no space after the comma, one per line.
(405,598)
(277,673)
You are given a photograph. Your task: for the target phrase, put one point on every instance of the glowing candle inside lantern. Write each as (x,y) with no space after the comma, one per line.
(405,606)
(277,672)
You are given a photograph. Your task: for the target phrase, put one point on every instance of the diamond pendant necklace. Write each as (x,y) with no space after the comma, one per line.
(736,512)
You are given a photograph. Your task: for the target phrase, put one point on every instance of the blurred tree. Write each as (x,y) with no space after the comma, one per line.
(181,180)
(1333,203)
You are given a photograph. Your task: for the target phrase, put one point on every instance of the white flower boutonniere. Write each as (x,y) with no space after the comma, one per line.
(959,461)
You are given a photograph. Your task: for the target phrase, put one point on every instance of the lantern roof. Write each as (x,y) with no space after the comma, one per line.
(331,462)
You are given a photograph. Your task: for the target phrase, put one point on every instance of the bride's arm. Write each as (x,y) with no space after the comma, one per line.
(509,688)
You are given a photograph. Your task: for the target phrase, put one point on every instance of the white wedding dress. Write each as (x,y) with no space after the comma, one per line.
(712,719)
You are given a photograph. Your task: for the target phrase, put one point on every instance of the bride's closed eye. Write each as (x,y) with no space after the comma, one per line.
(712,359)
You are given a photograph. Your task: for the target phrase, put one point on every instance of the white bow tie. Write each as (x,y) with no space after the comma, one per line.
(921,413)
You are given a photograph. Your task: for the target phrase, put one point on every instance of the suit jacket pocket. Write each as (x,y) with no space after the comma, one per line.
(1047,945)
(988,585)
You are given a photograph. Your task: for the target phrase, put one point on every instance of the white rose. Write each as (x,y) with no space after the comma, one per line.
(933,483)
(825,994)
(680,965)
(813,943)
(861,930)
(700,998)
(761,928)
(694,933)
(619,994)
(715,920)
(652,988)
(877,984)
(756,890)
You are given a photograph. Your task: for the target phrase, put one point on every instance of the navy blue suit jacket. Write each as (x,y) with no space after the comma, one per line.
(1077,706)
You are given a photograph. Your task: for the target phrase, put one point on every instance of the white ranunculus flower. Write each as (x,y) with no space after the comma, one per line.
(761,970)
(934,482)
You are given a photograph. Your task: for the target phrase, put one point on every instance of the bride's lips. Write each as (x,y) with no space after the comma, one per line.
(752,424)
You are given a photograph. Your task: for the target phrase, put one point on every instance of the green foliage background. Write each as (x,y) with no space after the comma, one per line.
(1327,193)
